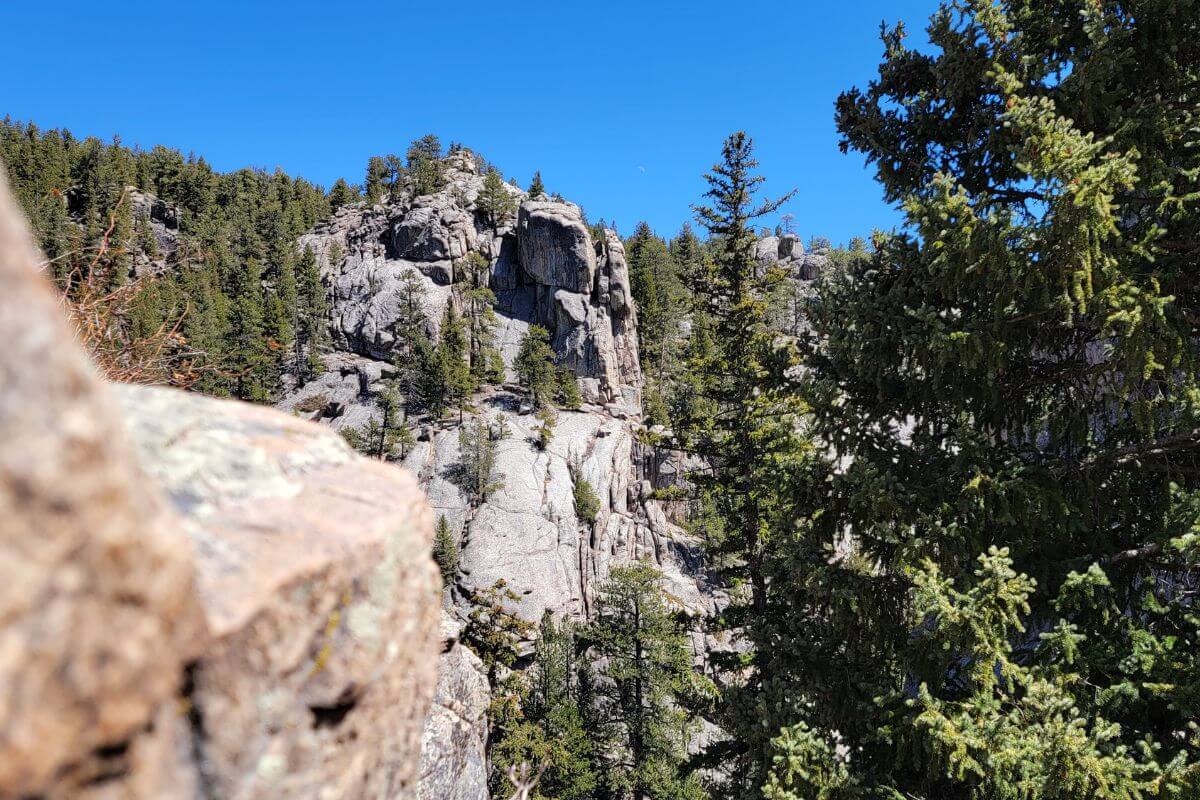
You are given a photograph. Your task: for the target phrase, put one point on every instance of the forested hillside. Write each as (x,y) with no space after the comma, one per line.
(723,513)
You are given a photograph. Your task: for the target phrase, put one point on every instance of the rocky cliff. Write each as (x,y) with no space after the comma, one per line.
(201,598)
(547,267)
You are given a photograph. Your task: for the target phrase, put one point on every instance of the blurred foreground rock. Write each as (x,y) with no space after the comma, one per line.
(201,598)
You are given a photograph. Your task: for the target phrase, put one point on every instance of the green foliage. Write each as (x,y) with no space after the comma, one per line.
(587,503)
(495,200)
(729,412)
(477,301)
(445,550)
(568,395)
(233,276)
(661,300)
(537,189)
(376,180)
(444,378)
(644,660)
(477,442)
(534,366)
(342,194)
(1031,334)
(425,168)
(544,433)
(493,631)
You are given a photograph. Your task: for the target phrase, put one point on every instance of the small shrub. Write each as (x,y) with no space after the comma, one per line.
(445,550)
(587,502)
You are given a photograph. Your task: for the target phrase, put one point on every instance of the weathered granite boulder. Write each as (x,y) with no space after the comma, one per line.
(788,252)
(97,607)
(434,229)
(454,742)
(320,597)
(555,245)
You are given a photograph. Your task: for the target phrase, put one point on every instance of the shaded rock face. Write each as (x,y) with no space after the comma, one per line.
(788,252)
(555,245)
(201,598)
(454,742)
(97,608)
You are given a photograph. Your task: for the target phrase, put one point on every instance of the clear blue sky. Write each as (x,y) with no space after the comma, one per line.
(621,105)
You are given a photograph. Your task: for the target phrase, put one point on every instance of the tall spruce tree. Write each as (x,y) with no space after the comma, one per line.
(995,599)
(750,439)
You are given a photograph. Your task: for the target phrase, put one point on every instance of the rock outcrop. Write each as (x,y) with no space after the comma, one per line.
(319,594)
(454,743)
(546,269)
(201,598)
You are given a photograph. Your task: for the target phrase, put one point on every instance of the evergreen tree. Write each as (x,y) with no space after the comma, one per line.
(587,502)
(534,366)
(646,666)
(493,631)
(477,301)
(425,165)
(477,461)
(537,189)
(449,382)
(751,436)
(342,194)
(312,334)
(445,550)
(376,179)
(549,727)
(495,200)
(661,301)
(1007,391)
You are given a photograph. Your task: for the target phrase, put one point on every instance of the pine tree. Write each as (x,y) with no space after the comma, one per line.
(751,436)
(494,631)
(475,474)
(477,301)
(376,179)
(448,382)
(342,194)
(537,189)
(534,366)
(312,335)
(661,301)
(495,200)
(425,165)
(1007,394)
(647,673)
(445,550)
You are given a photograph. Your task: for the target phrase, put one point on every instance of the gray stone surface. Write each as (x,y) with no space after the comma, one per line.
(454,741)
(555,245)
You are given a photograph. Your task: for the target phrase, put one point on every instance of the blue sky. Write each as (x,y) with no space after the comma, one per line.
(621,105)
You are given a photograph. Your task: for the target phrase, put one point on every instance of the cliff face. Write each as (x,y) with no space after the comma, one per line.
(201,598)
(546,268)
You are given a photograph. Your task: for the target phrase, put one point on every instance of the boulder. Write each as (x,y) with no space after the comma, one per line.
(97,606)
(319,594)
(555,245)
(434,229)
